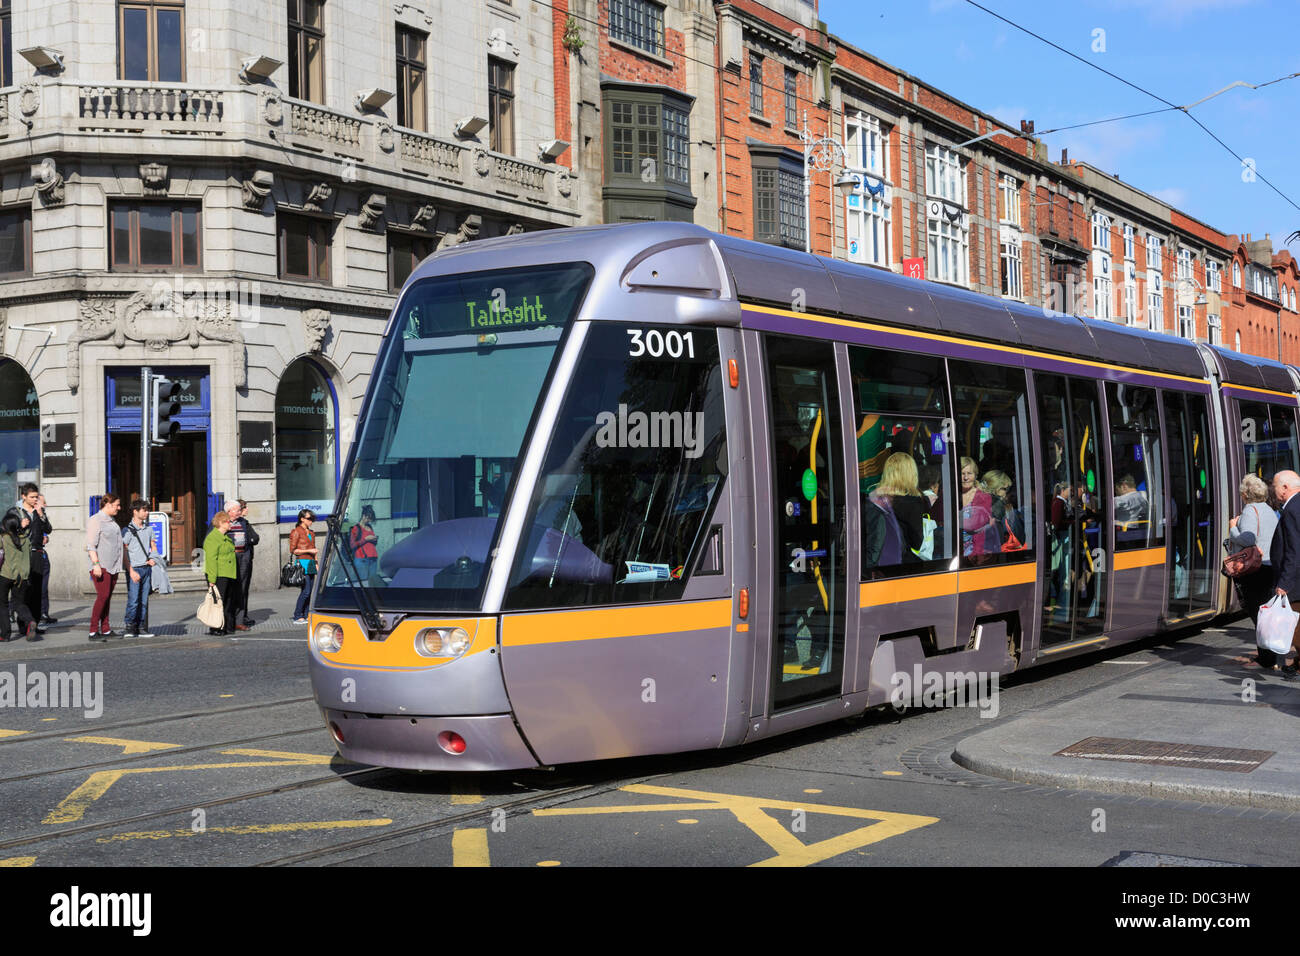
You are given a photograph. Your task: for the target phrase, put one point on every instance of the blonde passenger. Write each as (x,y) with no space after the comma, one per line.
(898,494)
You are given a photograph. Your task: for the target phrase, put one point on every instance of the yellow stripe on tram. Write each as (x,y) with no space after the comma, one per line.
(901,590)
(521,630)
(1145,558)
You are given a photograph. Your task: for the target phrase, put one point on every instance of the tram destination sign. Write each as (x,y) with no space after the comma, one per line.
(257,448)
(59,450)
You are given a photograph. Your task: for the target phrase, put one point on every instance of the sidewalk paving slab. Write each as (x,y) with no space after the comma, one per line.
(1197,691)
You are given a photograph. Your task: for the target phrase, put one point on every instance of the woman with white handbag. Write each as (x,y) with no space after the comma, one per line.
(1253,528)
(221,570)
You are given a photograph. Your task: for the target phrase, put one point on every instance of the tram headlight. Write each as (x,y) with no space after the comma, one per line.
(328,638)
(442,641)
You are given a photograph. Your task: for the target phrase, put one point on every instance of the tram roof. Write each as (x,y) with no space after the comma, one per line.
(767,274)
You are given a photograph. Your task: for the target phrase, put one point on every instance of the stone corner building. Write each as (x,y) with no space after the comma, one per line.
(172,196)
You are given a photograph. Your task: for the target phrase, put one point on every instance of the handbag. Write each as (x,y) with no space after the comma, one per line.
(211,612)
(1276,625)
(1244,562)
(292,575)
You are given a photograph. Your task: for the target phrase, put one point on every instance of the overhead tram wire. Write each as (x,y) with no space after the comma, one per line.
(913,140)
(1146,92)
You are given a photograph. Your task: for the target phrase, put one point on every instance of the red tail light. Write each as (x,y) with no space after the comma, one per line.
(744,603)
(733,373)
(452,742)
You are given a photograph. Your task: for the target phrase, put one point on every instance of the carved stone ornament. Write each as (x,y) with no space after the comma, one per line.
(482,162)
(159,319)
(371,215)
(49,182)
(154,177)
(4,321)
(256,188)
(564,183)
(515,229)
(320,194)
(387,141)
(467,231)
(29,98)
(424,217)
(315,323)
(273,108)
(499,45)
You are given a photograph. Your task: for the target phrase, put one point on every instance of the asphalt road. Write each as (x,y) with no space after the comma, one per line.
(209,751)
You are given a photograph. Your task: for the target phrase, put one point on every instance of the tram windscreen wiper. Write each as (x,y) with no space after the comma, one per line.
(365,603)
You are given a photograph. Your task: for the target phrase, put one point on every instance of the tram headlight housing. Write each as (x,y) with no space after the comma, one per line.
(442,641)
(328,638)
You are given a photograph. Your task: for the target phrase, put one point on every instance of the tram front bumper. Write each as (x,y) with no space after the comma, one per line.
(492,741)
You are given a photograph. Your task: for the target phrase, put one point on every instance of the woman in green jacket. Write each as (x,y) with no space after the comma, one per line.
(219,566)
(14,576)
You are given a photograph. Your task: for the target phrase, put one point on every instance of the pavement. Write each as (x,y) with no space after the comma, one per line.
(170,616)
(1143,732)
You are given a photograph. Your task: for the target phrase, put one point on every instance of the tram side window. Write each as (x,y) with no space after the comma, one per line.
(1268,435)
(907,492)
(1135,454)
(995,490)
(635,464)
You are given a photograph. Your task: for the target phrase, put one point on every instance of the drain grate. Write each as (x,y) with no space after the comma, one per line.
(1164,754)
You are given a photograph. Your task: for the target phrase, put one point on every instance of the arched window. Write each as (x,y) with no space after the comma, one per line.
(20,431)
(1238,341)
(306,446)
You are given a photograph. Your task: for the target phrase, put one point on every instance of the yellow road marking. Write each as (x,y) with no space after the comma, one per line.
(13,733)
(464,791)
(128,746)
(258,828)
(892,773)
(469,848)
(18,861)
(46,720)
(548,862)
(688,820)
(790,850)
(73,807)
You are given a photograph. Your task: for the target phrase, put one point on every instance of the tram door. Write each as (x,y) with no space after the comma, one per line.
(1193,562)
(808,485)
(1074,513)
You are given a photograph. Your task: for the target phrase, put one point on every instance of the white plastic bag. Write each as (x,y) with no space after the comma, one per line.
(1276,625)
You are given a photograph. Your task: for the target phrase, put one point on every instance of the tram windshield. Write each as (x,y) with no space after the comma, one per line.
(456,387)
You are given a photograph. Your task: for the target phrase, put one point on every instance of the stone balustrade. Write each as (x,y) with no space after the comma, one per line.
(143,107)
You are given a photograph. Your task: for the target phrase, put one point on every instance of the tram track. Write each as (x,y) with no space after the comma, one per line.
(189,807)
(160,719)
(154,754)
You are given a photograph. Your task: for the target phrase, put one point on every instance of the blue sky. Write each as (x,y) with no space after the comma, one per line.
(1181,50)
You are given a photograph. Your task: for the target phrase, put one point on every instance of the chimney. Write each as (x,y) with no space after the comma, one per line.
(1065,157)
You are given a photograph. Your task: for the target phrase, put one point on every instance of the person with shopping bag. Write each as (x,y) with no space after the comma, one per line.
(220,567)
(1284,554)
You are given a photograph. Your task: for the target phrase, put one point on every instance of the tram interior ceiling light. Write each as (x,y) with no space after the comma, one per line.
(257,69)
(550,152)
(43,58)
(469,126)
(373,99)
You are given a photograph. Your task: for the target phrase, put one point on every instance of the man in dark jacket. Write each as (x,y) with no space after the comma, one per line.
(1284,555)
(245,539)
(32,506)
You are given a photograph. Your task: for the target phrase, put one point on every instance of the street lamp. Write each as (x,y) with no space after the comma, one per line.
(821,154)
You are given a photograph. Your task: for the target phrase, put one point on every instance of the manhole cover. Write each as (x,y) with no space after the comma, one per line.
(1167,754)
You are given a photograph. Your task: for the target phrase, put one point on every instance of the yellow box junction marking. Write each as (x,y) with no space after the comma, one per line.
(469,848)
(464,792)
(74,805)
(13,733)
(253,828)
(790,850)
(128,746)
(18,861)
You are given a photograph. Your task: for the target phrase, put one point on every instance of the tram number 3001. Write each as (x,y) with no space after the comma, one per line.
(655,343)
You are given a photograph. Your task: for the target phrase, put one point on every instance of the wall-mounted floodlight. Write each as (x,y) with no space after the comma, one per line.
(468,126)
(43,58)
(550,152)
(372,99)
(257,69)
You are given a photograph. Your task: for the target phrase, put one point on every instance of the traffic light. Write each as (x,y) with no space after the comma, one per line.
(165,405)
